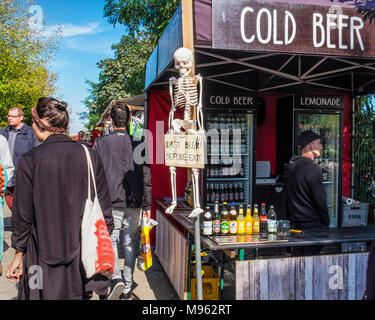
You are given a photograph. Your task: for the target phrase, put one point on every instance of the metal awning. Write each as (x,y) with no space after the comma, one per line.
(226,63)
(135,104)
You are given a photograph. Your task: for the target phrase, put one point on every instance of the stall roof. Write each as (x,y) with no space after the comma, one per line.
(278,46)
(135,103)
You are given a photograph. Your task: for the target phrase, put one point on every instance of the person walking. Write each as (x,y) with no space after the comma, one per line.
(21,138)
(6,173)
(82,140)
(130,188)
(48,210)
(304,185)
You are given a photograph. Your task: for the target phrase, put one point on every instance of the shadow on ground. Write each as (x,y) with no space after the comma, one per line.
(159,282)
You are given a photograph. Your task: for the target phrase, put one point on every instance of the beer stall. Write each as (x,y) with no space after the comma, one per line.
(270,69)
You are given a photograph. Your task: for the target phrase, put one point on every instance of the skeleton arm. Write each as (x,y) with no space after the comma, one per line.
(199,108)
(173,109)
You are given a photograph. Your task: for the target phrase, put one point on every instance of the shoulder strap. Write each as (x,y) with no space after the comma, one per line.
(90,170)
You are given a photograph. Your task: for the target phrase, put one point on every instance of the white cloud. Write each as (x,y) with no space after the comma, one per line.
(70,30)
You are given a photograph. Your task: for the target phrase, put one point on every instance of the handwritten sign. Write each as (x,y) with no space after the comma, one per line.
(184,150)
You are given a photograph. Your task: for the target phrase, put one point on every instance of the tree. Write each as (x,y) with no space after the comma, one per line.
(124,75)
(138,16)
(121,77)
(24,55)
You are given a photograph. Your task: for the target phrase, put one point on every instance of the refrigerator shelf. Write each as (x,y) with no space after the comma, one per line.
(227,179)
(327,182)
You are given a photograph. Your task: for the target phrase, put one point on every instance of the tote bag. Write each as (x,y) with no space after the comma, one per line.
(97,253)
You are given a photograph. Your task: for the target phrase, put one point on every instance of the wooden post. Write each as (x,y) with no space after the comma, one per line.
(188,42)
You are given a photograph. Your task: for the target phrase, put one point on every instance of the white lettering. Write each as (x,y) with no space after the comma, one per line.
(275,41)
(330,24)
(268,26)
(243,34)
(318,23)
(356,28)
(341,26)
(289,17)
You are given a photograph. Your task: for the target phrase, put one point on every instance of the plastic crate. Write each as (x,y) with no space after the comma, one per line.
(355,214)
(210,284)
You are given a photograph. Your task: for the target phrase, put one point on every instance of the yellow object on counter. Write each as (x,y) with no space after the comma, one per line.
(295,231)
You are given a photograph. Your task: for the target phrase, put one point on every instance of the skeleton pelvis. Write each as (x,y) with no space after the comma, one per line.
(177,124)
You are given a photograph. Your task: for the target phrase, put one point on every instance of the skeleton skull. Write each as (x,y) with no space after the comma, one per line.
(183,59)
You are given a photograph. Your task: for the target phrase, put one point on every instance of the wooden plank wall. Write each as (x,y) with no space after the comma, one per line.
(171,249)
(326,277)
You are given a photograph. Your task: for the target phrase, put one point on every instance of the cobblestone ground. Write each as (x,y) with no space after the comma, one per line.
(150,285)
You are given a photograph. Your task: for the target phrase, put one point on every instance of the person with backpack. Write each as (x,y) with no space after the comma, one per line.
(130,188)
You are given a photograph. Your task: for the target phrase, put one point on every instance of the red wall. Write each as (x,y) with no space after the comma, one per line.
(266,134)
(159,104)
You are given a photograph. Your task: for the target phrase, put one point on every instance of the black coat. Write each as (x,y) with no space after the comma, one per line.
(307,200)
(47,214)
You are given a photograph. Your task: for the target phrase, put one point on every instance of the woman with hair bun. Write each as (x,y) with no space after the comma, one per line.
(48,211)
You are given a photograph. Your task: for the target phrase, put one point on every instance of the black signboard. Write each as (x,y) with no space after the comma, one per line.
(289,27)
(229,100)
(319,102)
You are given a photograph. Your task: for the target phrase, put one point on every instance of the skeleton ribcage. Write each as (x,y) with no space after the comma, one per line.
(185,93)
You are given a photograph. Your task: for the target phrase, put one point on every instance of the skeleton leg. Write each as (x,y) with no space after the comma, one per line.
(170,209)
(195,180)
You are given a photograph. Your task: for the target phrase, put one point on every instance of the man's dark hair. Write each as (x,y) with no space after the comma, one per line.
(81,135)
(120,115)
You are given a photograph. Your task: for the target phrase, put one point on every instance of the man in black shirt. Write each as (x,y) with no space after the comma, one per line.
(307,201)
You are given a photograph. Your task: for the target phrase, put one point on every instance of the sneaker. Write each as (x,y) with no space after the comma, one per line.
(117,286)
(126,295)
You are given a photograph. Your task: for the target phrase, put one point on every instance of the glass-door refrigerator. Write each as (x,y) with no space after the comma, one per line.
(330,123)
(229,171)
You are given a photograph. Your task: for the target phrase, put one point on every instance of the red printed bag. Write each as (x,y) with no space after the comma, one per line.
(97,250)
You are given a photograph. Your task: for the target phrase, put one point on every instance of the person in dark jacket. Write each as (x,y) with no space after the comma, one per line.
(82,140)
(130,189)
(47,215)
(307,201)
(21,138)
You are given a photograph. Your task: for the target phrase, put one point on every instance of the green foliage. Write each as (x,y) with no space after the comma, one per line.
(138,16)
(364,149)
(124,75)
(24,56)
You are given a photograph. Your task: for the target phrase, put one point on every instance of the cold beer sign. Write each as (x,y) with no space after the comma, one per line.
(290,27)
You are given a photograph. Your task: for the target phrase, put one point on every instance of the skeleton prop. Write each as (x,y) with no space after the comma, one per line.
(184,94)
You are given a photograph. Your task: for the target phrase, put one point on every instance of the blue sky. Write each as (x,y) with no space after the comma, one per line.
(86,39)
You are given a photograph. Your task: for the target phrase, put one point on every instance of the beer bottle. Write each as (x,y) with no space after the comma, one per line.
(230,193)
(217,192)
(272,220)
(213,193)
(208,193)
(222,193)
(207,222)
(248,221)
(216,220)
(256,222)
(263,219)
(240,222)
(241,194)
(224,220)
(233,220)
(236,193)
